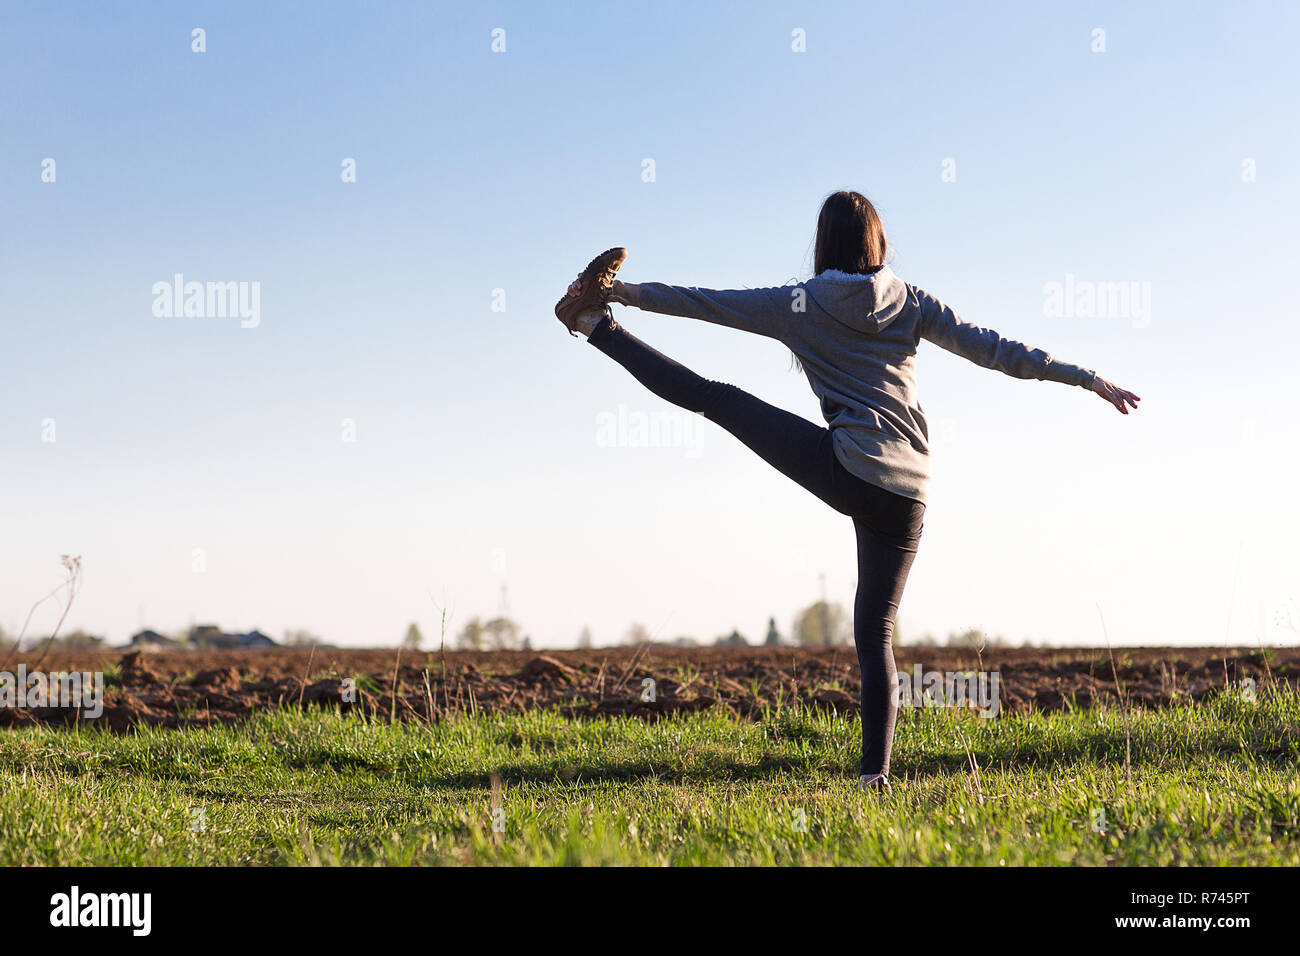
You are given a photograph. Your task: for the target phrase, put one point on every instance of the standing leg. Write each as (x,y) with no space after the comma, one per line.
(883,564)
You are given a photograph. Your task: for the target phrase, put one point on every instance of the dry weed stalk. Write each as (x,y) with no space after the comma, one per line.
(1123,701)
(72,582)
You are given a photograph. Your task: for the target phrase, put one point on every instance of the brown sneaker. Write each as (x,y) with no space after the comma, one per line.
(596,281)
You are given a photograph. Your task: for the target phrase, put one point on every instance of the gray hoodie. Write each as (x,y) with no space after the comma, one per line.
(856,337)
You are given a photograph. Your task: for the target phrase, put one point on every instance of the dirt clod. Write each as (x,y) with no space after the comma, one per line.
(546,668)
(217,677)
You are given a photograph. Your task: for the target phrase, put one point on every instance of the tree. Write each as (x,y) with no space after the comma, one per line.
(471,636)
(79,640)
(584,639)
(503,634)
(734,639)
(638,634)
(413,637)
(300,638)
(822,625)
(773,635)
(973,638)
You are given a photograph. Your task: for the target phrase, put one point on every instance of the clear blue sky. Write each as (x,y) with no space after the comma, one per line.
(477,460)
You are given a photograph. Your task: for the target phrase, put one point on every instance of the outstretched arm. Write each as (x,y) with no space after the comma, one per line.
(987,348)
(761,311)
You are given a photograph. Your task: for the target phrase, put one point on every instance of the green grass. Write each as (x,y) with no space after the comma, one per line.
(1215,784)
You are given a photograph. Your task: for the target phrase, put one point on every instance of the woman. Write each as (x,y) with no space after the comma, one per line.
(854,328)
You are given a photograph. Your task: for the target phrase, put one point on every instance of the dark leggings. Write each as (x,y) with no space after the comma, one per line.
(888,525)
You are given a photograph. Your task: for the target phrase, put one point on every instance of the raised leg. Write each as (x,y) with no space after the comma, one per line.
(792,445)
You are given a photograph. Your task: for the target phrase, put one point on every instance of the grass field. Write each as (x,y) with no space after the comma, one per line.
(1211,783)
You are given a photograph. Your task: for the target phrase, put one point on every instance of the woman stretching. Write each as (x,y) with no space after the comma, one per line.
(854,328)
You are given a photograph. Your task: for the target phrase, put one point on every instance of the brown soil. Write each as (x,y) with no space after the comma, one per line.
(198,688)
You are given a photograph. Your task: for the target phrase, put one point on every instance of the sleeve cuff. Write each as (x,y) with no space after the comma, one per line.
(628,297)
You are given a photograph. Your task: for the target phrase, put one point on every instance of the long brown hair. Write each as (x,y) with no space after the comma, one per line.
(850,237)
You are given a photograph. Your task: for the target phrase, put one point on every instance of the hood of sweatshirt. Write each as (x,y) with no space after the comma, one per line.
(864,303)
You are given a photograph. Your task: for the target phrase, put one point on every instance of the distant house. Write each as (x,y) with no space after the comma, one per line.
(209,637)
(258,639)
(205,636)
(147,638)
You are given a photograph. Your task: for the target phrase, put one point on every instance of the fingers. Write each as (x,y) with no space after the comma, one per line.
(1112,395)
(1121,398)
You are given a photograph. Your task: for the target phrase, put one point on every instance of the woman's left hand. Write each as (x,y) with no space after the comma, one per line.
(1119,397)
